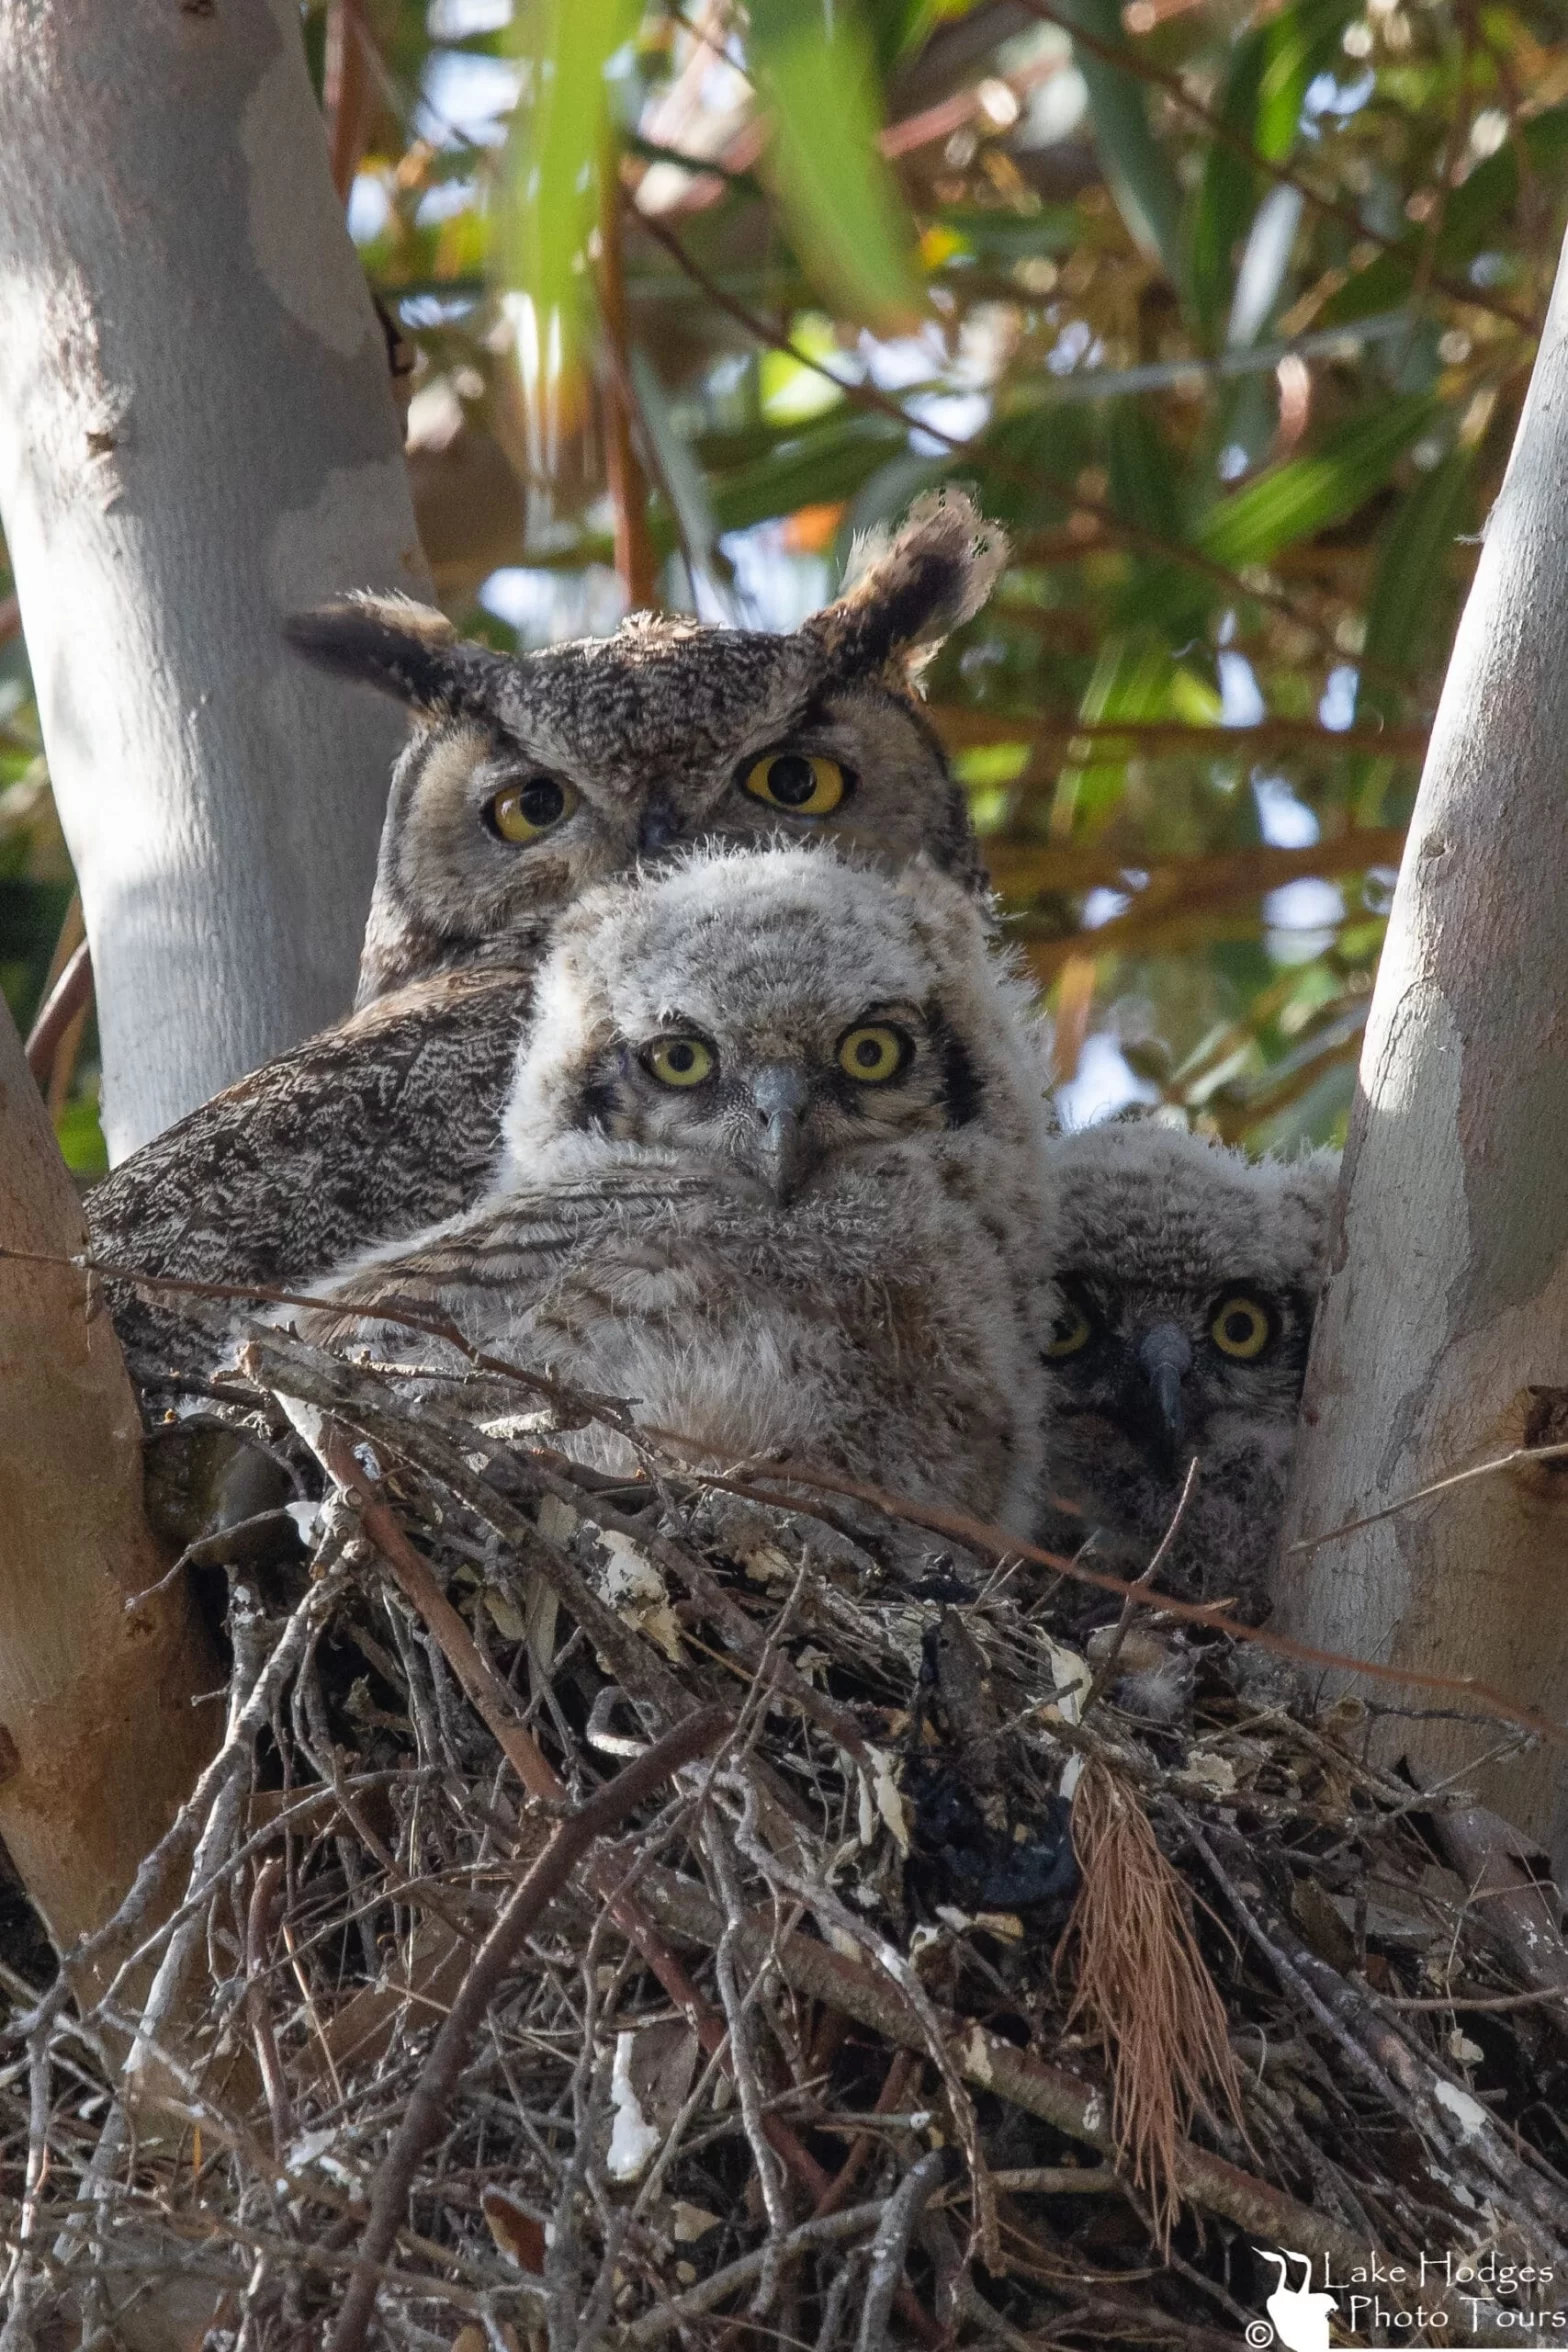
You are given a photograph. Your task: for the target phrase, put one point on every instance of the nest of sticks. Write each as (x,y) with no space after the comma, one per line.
(698,1912)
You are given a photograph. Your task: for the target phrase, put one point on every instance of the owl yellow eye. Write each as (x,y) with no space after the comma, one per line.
(523,811)
(1241,1328)
(801,782)
(680,1061)
(1071,1331)
(873,1055)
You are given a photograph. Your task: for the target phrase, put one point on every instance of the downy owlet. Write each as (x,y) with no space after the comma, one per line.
(528,780)
(1188,1276)
(774,1173)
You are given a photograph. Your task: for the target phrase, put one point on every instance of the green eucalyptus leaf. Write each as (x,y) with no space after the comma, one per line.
(1294,500)
(1471,213)
(1270,70)
(819,466)
(1402,607)
(1296,45)
(554,161)
(847,221)
(1144,474)
(679,473)
(1137,168)
(899,27)
(1131,680)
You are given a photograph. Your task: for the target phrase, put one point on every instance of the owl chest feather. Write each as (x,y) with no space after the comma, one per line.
(864,1326)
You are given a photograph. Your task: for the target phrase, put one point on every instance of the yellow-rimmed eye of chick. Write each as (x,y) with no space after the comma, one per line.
(873,1053)
(521,812)
(680,1061)
(1071,1331)
(1240,1327)
(802,783)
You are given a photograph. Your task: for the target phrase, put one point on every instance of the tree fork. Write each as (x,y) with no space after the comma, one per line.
(101,1733)
(1443,1338)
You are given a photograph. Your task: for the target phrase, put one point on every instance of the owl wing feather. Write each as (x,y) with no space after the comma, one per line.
(503,1260)
(384,1124)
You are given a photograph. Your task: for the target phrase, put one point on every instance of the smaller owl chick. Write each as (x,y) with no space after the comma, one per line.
(774,1173)
(1188,1276)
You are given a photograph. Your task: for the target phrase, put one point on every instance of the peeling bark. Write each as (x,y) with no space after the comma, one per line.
(100,1741)
(197,433)
(1443,1339)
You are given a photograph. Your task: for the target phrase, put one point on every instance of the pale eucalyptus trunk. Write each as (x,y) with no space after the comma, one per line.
(1443,1340)
(197,433)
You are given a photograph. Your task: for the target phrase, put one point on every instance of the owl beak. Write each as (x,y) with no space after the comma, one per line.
(657,829)
(1164,1359)
(781,1095)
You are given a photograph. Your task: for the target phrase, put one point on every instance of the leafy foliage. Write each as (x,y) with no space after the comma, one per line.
(1226,310)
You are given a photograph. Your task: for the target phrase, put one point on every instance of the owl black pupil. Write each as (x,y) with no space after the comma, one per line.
(868,1053)
(792,780)
(1238,1326)
(542,801)
(681,1058)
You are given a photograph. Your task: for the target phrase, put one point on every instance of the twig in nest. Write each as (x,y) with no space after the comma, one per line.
(890,2247)
(426,2117)
(1424,1494)
(774,1485)
(260,1924)
(904,2064)
(1106,1671)
(1144,1989)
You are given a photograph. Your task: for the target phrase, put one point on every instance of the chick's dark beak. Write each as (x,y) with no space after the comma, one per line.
(657,828)
(1164,1358)
(784,1159)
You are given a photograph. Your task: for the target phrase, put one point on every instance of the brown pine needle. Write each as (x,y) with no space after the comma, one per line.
(1144,1989)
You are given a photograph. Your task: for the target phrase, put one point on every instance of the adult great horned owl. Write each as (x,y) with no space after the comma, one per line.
(1188,1276)
(774,1173)
(527,780)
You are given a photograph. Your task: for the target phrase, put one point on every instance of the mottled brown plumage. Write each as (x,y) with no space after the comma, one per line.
(625,747)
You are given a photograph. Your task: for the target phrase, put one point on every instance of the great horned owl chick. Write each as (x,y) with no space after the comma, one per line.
(774,1174)
(1189,1276)
(529,779)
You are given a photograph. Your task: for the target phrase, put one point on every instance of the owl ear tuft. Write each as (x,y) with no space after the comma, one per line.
(908,590)
(406,649)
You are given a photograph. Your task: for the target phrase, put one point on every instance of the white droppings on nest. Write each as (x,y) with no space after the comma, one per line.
(629,1582)
(1470,2116)
(977,2056)
(633,2140)
(880,1798)
(1071,1680)
(307,1517)
(1207,1774)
